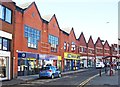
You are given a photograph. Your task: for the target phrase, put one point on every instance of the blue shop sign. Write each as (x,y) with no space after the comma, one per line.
(28,55)
(21,55)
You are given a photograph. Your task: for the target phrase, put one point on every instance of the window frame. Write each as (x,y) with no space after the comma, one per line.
(5,14)
(32,36)
(0,43)
(53,40)
(10,15)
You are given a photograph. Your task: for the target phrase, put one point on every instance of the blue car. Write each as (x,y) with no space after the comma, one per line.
(49,71)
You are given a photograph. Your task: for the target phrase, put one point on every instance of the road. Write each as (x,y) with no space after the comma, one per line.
(73,80)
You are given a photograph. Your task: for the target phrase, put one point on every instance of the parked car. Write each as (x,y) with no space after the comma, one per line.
(118,65)
(49,71)
(100,65)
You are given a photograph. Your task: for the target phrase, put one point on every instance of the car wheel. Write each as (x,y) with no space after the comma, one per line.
(59,75)
(52,77)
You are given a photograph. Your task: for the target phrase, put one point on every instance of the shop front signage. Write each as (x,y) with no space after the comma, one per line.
(4,53)
(27,55)
(71,56)
(47,57)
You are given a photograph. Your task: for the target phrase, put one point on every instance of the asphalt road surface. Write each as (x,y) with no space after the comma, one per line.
(71,80)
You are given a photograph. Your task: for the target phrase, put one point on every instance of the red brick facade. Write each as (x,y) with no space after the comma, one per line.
(106,49)
(91,47)
(99,49)
(8,29)
(82,45)
(68,44)
(26,18)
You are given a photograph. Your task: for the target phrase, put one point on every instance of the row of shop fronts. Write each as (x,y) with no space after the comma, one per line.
(24,50)
(30,63)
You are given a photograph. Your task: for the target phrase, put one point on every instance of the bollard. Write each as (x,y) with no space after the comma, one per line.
(110,71)
(100,72)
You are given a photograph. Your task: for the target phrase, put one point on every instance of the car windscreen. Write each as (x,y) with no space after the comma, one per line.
(45,68)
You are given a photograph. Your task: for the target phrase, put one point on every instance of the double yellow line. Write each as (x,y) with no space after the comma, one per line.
(87,80)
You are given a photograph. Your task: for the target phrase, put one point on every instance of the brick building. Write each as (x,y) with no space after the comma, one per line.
(83,50)
(98,50)
(7,13)
(29,41)
(90,52)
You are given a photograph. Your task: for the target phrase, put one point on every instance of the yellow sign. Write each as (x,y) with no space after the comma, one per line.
(71,56)
(31,58)
(59,58)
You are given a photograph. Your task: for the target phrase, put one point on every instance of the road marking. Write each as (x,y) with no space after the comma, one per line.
(87,80)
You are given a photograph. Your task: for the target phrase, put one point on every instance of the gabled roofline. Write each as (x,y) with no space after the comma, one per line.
(106,42)
(83,37)
(64,32)
(73,32)
(90,38)
(97,41)
(23,10)
(54,16)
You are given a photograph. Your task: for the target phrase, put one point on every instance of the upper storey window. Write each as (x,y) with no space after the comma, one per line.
(5,14)
(73,47)
(54,41)
(33,36)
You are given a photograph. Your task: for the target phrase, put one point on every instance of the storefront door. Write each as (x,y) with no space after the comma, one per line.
(4,68)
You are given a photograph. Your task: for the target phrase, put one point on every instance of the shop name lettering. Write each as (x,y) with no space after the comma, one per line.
(71,56)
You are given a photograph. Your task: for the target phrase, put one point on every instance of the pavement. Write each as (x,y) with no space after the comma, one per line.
(105,80)
(24,79)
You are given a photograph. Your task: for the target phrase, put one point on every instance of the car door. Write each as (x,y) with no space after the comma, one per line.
(55,73)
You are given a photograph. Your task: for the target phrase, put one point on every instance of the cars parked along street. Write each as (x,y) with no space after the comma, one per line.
(49,71)
(100,65)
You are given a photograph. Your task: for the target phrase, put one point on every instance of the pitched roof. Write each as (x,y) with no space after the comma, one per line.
(67,30)
(25,5)
(47,17)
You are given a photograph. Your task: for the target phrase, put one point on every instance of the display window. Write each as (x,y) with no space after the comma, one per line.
(3,67)
(28,66)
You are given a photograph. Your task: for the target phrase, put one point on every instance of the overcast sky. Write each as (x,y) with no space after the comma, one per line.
(98,18)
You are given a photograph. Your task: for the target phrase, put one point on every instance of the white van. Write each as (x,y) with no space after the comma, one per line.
(100,65)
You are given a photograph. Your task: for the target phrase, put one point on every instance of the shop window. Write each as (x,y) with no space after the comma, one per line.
(31,65)
(33,36)
(53,41)
(5,14)
(3,67)
(0,43)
